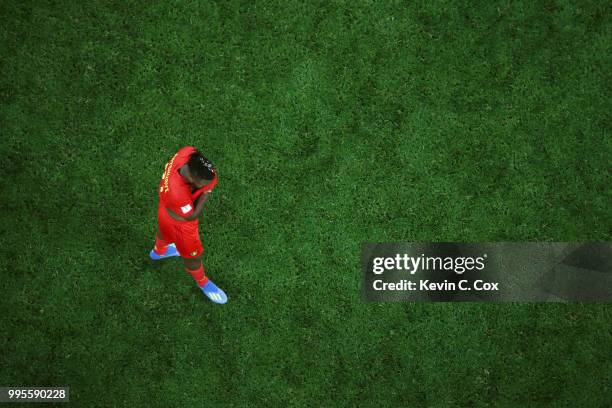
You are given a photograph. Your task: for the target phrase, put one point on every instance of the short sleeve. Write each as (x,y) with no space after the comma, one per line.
(180,204)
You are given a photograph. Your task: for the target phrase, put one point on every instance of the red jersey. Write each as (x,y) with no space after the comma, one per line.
(174,192)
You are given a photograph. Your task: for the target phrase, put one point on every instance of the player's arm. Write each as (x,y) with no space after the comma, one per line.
(199,207)
(197,211)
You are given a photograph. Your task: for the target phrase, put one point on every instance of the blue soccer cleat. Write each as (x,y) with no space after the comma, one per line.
(170,252)
(213,292)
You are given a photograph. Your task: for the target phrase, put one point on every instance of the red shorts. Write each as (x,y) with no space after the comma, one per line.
(185,235)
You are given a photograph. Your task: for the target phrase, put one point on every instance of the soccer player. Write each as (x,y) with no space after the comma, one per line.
(185,186)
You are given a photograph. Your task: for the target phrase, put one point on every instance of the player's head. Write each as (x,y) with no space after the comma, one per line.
(201,170)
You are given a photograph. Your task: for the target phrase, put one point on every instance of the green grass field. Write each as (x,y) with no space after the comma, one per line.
(331,124)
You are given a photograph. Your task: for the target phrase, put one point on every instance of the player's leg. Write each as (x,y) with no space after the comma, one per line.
(189,245)
(161,245)
(195,268)
(164,248)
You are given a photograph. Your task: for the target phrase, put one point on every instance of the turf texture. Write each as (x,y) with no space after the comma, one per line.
(331,124)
